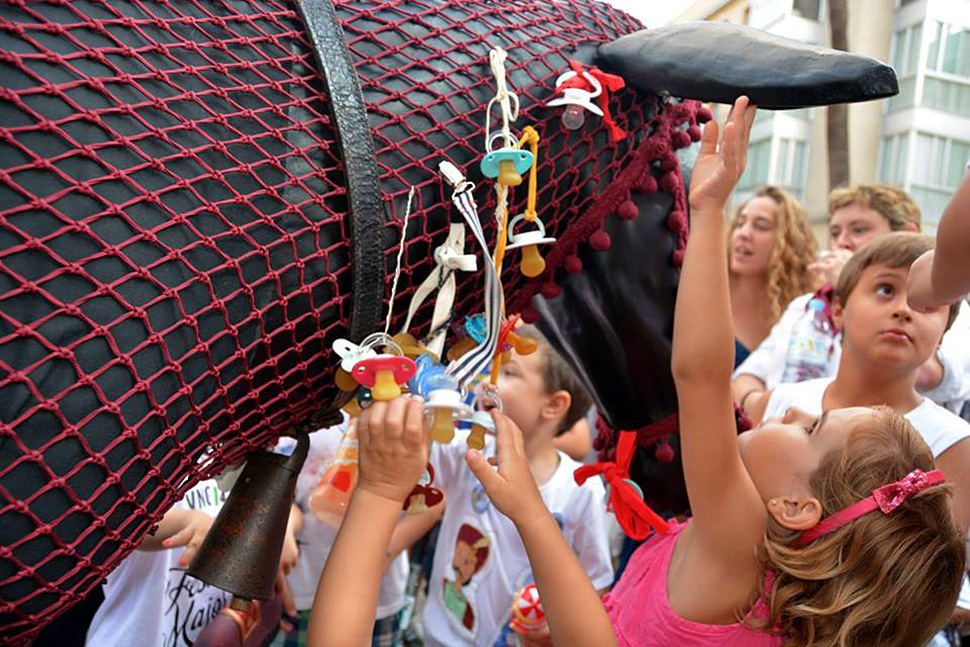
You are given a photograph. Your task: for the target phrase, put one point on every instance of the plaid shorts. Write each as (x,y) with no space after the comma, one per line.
(387,631)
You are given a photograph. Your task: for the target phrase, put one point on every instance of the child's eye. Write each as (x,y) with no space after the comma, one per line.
(860,231)
(885,290)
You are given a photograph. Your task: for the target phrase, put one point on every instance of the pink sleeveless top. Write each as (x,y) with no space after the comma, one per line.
(641,615)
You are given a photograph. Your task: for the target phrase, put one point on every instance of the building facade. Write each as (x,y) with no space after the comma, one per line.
(919,140)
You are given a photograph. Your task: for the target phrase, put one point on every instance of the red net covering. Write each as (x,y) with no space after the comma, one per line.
(175,260)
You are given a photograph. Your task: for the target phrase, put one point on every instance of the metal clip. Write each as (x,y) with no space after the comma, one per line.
(454,177)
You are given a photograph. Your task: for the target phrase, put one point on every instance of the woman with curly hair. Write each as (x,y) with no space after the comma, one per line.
(770,247)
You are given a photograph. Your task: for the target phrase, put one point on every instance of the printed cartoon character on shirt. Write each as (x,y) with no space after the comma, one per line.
(472,548)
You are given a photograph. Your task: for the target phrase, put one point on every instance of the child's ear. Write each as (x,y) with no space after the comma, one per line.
(838,313)
(796,513)
(557,404)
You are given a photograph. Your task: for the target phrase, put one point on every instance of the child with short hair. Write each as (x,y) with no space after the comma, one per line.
(788,545)
(479,562)
(884,344)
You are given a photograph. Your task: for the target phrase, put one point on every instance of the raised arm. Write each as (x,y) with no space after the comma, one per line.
(393,454)
(723,499)
(573,609)
(943,276)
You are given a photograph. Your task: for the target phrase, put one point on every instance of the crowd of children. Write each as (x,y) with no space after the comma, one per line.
(839,519)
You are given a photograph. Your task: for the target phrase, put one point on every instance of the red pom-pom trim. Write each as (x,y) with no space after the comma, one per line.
(573,264)
(704,115)
(529,315)
(600,240)
(628,210)
(680,139)
(677,221)
(694,132)
(664,453)
(551,290)
(648,184)
(678,258)
(669,162)
(669,182)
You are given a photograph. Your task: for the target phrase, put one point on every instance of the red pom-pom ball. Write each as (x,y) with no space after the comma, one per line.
(704,115)
(694,132)
(664,453)
(680,139)
(669,162)
(529,315)
(648,184)
(573,264)
(676,221)
(551,290)
(600,240)
(628,210)
(678,258)
(669,182)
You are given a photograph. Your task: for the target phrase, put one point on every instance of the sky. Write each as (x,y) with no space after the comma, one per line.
(653,13)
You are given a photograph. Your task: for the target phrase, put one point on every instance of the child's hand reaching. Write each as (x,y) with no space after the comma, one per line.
(718,169)
(512,488)
(194,527)
(393,442)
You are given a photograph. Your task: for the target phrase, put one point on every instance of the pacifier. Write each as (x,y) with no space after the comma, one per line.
(532,262)
(506,165)
(575,94)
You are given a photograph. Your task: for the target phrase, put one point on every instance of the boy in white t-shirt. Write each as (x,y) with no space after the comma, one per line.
(884,343)
(480,561)
(149,601)
(315,538)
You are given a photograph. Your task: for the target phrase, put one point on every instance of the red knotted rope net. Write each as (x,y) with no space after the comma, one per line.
(175,260)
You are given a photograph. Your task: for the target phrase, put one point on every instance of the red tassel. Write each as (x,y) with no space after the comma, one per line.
(600,240)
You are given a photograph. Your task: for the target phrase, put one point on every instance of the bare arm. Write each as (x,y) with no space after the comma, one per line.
(393,454)
(745,386)
(955,465)
(728,512)
(576,442)
(942,277)
(573,609)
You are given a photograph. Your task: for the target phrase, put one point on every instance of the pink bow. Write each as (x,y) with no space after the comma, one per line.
(889,496)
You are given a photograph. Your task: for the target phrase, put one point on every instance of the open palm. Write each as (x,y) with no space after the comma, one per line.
(718,168)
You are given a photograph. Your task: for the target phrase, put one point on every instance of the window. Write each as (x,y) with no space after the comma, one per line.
(807,8)
(892,159)
(947,83)
(904,55)
(938,169)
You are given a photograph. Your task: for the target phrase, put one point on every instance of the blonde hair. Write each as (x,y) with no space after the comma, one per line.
(891,202)
(884,579)
(793,251)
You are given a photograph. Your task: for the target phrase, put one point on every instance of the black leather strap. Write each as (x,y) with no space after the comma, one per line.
(360,165)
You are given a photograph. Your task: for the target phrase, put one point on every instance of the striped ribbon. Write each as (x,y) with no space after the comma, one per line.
(477,360)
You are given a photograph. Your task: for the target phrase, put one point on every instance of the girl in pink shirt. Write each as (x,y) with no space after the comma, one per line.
(825,532)
(828,532)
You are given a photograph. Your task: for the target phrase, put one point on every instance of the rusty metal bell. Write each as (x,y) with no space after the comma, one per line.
(241,552)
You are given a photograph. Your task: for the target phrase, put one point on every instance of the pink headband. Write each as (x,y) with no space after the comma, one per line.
(886,498)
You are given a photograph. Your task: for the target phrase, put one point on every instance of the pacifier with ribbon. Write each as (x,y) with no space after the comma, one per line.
(382,373)
(576,90)
(532,263)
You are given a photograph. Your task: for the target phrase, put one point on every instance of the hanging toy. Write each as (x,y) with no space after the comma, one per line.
(578,87)
(481,420)
(358,403)
(383,373)
(576,90)
(532,264)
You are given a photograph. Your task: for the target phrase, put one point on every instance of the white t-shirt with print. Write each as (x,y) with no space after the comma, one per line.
(476,612)
(316,538)
(939,428)
(149,601)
